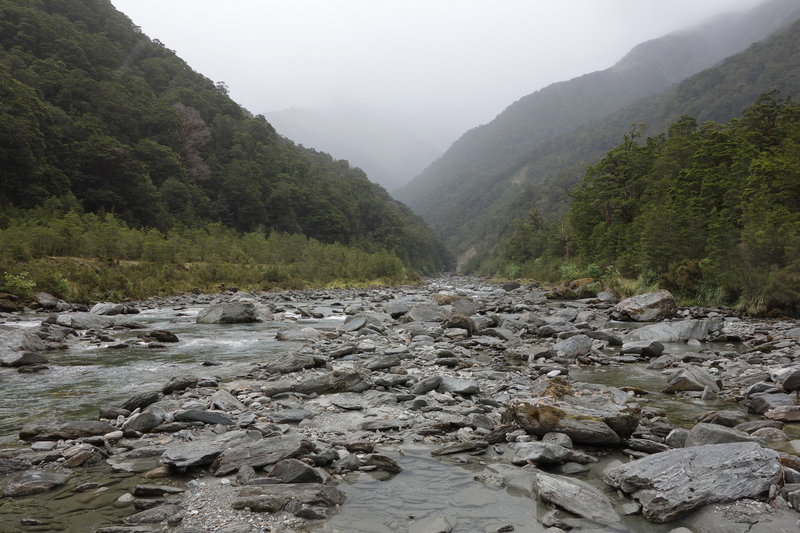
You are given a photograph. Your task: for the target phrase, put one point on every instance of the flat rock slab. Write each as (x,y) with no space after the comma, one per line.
(33,482)
(784,413)
(260,453)
(575,496)
(670,484)
(343,380)
(73,429)
(461,447)
(274,498)
(587,413)
(201,451)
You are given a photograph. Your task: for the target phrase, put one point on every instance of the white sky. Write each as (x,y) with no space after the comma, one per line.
(435,67)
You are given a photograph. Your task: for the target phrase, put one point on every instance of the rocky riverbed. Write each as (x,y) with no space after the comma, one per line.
(456,405)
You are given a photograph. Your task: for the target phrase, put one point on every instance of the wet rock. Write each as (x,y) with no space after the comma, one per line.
(648,307)
(680,331)
(259,453)
(573,347)
(19,340)
(20,359)
(547,453)
(154,491)
(110,309)
(763,402)
(382,463)
(461,447)
(295,471)
(141,400)
(72,429)
(784,413)
(723,418)
(575,496)
(160,335)
(648,348)
(298,334)
(611,339)
(669,484)
(228,313)
(587,413)
(92,321)
(692,378)
(33,482)
(704,433)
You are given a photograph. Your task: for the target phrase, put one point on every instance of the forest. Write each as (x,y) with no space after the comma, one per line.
(710,211)
(101,120)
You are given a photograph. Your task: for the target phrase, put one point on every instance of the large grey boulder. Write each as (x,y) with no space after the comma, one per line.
(587,413)
(109,309)
(704,433)
(572,347)
(692,378)
(672,483)
(228,313)
(648,307)
(19,340)
(18,359)
(680,331)
(426,313)
(575,496)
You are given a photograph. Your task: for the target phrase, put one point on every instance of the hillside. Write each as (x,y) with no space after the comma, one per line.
(97,115)
(386,152)
(461,195)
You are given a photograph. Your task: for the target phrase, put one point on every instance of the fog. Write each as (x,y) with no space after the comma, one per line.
(436,68)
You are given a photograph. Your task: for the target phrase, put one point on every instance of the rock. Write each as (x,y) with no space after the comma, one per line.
(290,362)
(93,321)
(648,307)
(160,335)
(290,416)
(382,463)
(724,418)
(383,363)
(784,413)
(461,322)
(298,334)
(691,378)
(145,421)
(228,313)
(435,523)
(180,383)
(744,516)
(259,453)
(154,491)
(276,498)
(612,340)
(680,331)
(19,340)
(575,496)
(199,452)
(141,400)
(461,447)
(788,378)
(587,413)
(396,308)
(169,513)
(206,417)
(426,313)
(33,482)
(704,433)
(647,348)
(73,429)
(426,385)
(295,471)
(763,402)
(19,359)
(109,309)
(47,300)
(463,387)
(669,484)
(547,453)
(226,401)
(573,347)
(342,380)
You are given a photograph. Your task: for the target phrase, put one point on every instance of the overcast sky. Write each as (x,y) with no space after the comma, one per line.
(436,67)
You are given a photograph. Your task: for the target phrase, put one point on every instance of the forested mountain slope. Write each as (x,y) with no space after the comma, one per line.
(461,195)
(94,112)
(387,153)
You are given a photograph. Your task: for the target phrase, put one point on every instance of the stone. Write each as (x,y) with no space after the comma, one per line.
(290,362)
(290,416)
(426,385)
(648,348)
(276,498)
(679,331)
(307,334)
(575,496)
(169,513)
(670,484)
(228,313)
(180,383)
(426,313)
(19,359)
(464,387)
(435,523)
(341,380)
(295,471)
(141,400)
(692,378)
(33,481)
(587,413)
(72,429)
(259,453)
(160,335)
(763,402)
(784,413)
(461,447)
(109,309)
(201,451)
(727,418)
(145,421)
(648,307)
(573,347)
(548,453)
(704,433)
(19,340)
(226,401)
(744,516)
(396,308)
(154,491)
(206,417)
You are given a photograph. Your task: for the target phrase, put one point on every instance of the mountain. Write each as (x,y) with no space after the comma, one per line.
(464,195)
(94,112)
(386,152)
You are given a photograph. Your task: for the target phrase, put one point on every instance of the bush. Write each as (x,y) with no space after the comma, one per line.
(20,285)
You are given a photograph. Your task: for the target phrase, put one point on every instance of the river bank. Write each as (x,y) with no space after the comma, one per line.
(453,405)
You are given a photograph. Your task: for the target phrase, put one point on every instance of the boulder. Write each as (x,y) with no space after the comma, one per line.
(275,498)
(18,359)
(73,429)
(259,453)
(691,378)
(679,331)
(298,334)
(575,496)
(33,481)
(295,471)
(547,453)
(464,387)
(648,307)
(648,348)
(672,483)
(704,433)
(290,362)
(587,413)
(426,313)
(763,402)
(343,380)
(19,340)
(109,309)
(228,313)
(784,413)
(573,347)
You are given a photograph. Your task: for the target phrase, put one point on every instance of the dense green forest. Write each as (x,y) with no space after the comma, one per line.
(710,211)
(536,149)
(101,118)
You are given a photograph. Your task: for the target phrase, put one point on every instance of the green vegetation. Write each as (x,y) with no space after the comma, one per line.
(710,211)
(88,257)
(96,115)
